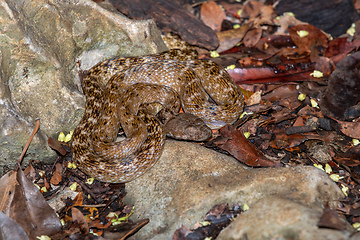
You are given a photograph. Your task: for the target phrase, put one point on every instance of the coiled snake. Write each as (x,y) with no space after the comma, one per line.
(126,92)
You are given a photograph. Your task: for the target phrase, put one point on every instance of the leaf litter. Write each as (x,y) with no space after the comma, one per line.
(274,57)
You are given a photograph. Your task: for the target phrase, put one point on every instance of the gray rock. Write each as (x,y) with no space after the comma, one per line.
(41,42)
(280,218)
(189,180)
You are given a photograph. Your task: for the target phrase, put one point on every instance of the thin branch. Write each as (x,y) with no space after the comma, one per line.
(36,128)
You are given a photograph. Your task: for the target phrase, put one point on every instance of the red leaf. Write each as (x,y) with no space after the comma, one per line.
(282,73)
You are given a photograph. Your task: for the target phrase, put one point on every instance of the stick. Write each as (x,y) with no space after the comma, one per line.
(36,128)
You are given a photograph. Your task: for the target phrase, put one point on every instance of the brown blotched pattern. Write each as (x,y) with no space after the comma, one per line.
(124,92)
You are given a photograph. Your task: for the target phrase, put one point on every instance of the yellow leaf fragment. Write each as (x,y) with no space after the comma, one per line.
(214,54)
(355,141)
(316,74)
(319,166)
(301,97)
(335,177)
(328,169)
(90,181)
(245,207)
(302,33)
(205,223)
(112,214)
(351,30)
(245,113)
(44,237)
(239,12)
(231,67)
(73,186)
(314,103)
(61,137)
(68,136)
(344,189)
(356,226)
(43,189)
(290,14)
(71,165)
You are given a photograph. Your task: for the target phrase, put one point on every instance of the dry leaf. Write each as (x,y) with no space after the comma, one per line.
(24,203)
(57,146)
(350,129)
(56,177)
(11,230)
(80,219)
(252,37)
(330,219)
(315,36)
(240,148)
(228,39)
(212,15)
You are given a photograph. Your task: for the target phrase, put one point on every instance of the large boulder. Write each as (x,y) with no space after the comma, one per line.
(43,44)
(189,180)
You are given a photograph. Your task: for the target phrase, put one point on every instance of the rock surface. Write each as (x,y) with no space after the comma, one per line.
(189,180)
(43,42)
(275,217)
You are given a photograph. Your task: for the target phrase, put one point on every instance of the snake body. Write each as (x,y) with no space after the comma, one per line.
(125,92)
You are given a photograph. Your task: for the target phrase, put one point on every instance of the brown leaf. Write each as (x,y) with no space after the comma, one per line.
(7,187)
(56,177)
(30,172)
(231,8)
(325,65)
(350,129)
(244,151)
(217,211)
(79,199)
(212,15)
(330,219)
(46,184)
(97,223)
(252,37)
(347,161)
(57,146)
(10,230)
(251,9)
(287,95)
(181,233)
(228,39)
(29,208)
(315,36)
(285,21)
(80,219)
(283,140)
(279,116)
(310,111)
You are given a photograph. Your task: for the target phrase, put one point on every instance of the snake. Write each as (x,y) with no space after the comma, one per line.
(127,92)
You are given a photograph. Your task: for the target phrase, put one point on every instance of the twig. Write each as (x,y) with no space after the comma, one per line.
(36,128)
